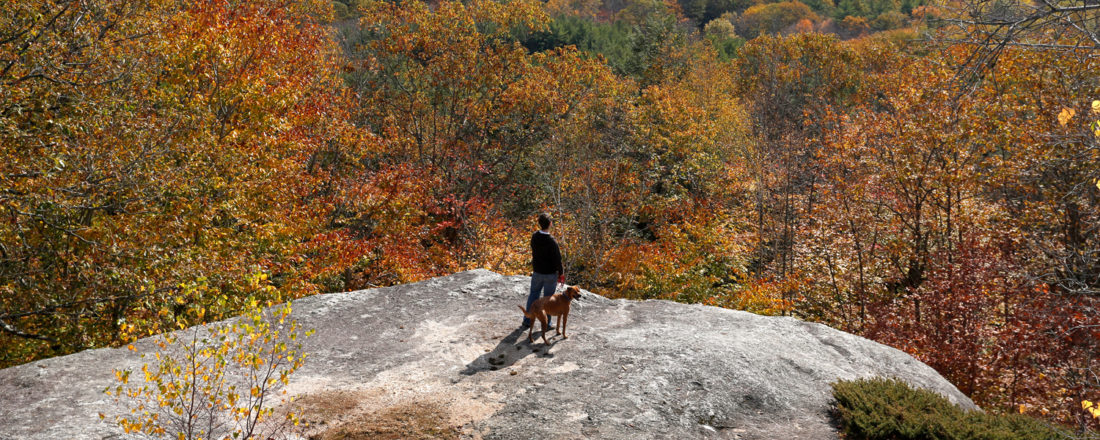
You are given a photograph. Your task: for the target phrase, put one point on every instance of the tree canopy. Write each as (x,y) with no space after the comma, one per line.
(901,171)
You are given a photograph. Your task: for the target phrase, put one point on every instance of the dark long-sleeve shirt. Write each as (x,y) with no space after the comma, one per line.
(546,257)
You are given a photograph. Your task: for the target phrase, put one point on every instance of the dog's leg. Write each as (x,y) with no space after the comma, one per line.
(564,320)
(531,328)
(543,318)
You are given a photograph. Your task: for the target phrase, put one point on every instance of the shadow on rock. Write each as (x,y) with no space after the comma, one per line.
(508,351)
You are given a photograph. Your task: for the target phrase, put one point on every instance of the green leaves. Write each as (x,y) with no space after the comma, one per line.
(890,409)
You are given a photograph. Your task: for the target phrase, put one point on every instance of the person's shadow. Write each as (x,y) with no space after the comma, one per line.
(507,351)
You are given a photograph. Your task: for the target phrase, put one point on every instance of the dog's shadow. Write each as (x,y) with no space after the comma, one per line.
(508,352)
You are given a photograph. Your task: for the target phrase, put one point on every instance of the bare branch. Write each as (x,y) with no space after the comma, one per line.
(8,328)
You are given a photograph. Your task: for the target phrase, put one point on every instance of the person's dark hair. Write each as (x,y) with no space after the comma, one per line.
(544,221)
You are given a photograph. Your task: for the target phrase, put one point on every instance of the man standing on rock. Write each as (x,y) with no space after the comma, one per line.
(545,264)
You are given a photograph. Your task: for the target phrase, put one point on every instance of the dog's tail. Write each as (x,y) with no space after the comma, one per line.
(525,312)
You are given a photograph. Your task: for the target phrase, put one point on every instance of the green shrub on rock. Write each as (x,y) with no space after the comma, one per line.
(890,409)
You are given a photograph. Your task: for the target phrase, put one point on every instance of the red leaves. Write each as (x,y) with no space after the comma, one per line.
(981,324)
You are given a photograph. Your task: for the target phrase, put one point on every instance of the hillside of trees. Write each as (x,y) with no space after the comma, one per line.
(926,177)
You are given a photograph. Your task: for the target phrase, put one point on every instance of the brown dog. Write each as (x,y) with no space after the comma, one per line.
(553,305)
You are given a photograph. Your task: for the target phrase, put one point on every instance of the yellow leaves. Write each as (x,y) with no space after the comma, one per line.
(240,353)
(122,376)
(182,73)
(1091,408)
(1095,126)
(1065,116)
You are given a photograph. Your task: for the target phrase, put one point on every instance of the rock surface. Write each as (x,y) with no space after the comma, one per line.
(447,353)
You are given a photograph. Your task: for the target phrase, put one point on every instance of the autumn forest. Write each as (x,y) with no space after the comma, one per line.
(921,174)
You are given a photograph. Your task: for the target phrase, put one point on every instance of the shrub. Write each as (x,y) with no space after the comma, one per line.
(891,409)
(216,383)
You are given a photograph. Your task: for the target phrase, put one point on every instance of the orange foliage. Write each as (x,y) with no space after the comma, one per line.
(803,26)
(771,18)
(195,148)
(163,144)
